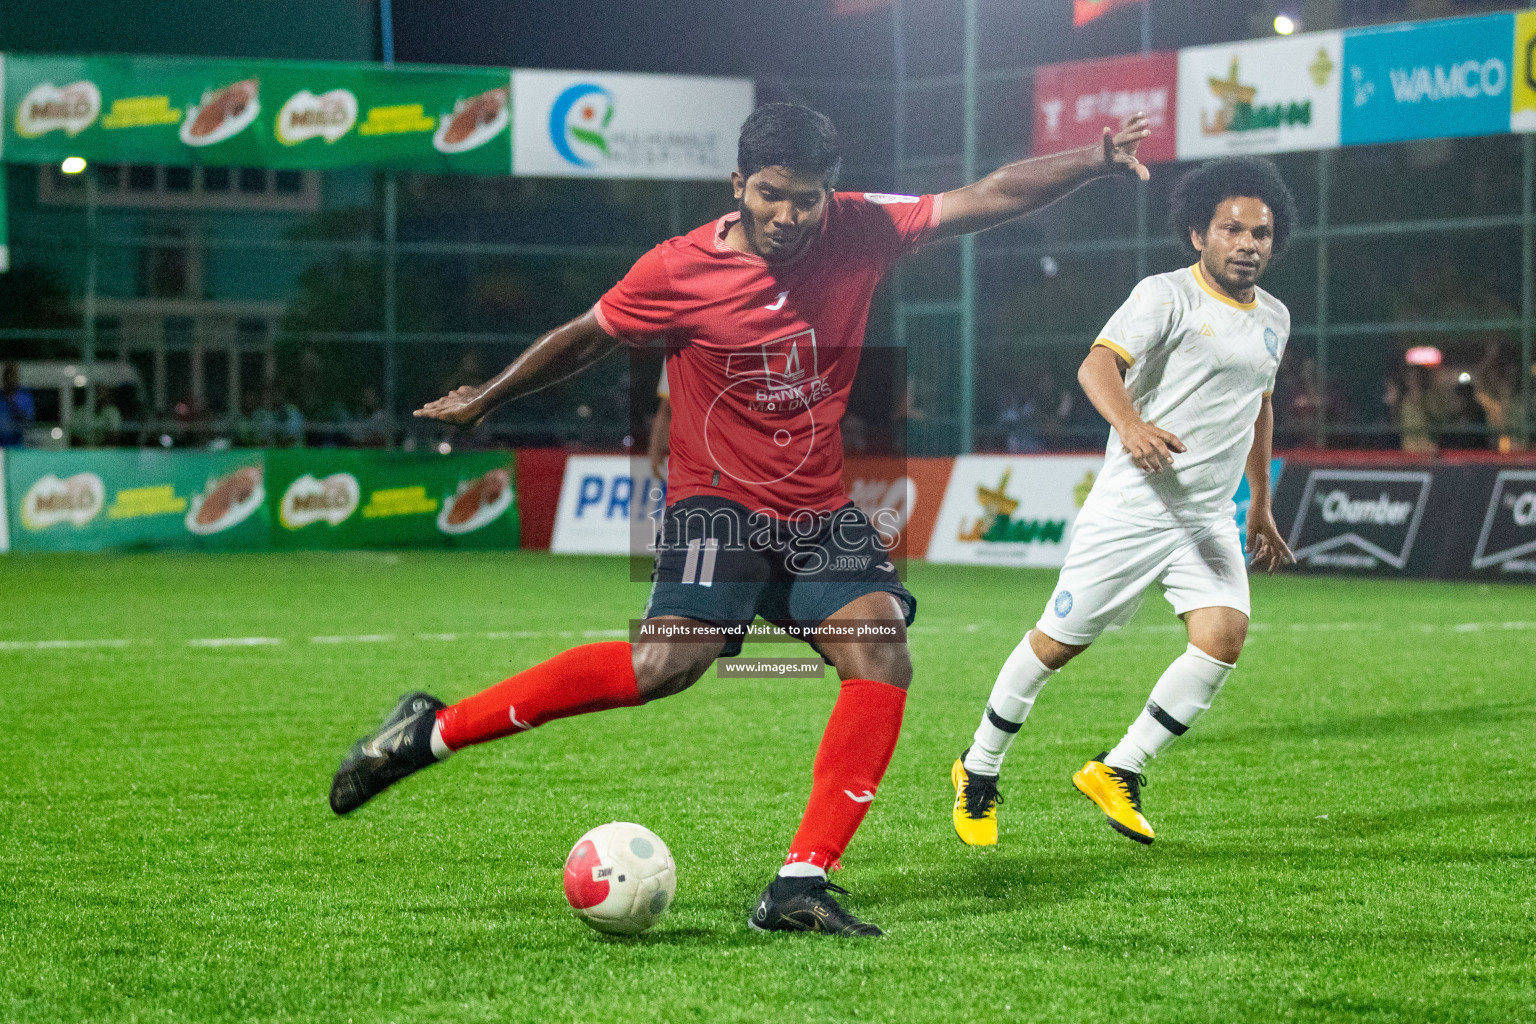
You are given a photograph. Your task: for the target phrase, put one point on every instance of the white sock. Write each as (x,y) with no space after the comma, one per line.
(1183,693)
(801,869)
(1018,683)
(440,750)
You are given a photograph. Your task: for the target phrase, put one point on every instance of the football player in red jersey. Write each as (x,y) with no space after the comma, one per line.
(762,314)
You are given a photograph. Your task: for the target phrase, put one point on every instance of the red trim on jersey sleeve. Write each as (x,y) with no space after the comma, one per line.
(642,305)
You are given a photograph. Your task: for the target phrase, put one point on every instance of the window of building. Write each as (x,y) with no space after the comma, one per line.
(153,187)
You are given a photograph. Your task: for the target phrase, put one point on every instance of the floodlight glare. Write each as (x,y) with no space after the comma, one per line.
(72,164)
(1283,25)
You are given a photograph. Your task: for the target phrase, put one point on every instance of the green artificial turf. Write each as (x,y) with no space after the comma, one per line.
(1347,835)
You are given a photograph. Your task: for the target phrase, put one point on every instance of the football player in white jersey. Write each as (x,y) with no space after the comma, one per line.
(1183,372)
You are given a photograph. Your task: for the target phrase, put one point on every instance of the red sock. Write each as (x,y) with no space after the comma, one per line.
(851,761)
(593,677)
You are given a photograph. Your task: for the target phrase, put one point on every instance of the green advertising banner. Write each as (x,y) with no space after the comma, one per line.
(89,500)
(256,113)
(336,498)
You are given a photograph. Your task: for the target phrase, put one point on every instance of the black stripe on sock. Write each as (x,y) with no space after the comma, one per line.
(1002,723)
(1166,720)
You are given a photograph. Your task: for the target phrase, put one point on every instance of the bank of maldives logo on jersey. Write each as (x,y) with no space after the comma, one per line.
(772,388)
(1428,80)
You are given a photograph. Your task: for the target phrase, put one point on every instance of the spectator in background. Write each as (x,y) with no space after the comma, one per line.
(248,432)
(310,383)
(290,425)
(1519,414)
(1491,391)
(192,421)
(16,407)
(278,422)
(470,370)
(1019,425)
(371,428)
(1056,404)
(1468,422)
(1407,398)
(102,425)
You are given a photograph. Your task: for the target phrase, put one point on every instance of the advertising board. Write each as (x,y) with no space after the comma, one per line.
(1244,496)
(5,519)
(256,113)
(1522,114)
(336,498)
(1011,509)
(89,500)
(578,124)
(1428,80)
(899,493)
(1075,102)
(1362,519)
(609,505)
(1506,544)
(1469,520)
(1264,96)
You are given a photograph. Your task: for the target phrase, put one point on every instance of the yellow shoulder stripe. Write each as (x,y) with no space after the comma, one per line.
(1130,360)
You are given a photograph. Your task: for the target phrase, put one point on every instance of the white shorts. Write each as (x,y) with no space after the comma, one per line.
(1111,563)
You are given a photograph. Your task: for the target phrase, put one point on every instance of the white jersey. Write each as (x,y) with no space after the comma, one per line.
(1200,364)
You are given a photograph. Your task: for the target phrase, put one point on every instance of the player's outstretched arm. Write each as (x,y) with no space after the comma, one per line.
(562,352)
(1027,185)
(1102,376)
(1266,547)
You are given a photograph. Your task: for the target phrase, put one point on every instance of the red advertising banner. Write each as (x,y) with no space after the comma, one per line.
(904,493)
(1075,102)
(1084,11)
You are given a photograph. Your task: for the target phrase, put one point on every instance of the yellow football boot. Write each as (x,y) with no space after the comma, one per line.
(1118,794)
(976,800)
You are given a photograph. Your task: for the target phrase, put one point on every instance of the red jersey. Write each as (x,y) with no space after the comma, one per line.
(760,358)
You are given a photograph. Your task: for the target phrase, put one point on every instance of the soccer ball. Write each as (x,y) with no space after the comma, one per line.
(619,878)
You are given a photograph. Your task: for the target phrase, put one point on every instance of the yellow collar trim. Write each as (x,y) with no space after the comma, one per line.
(1220,296)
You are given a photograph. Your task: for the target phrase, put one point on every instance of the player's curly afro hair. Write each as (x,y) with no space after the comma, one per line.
(1197,194)
(789,135)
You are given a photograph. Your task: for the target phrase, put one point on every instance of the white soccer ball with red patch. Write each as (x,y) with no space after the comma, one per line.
(619,878)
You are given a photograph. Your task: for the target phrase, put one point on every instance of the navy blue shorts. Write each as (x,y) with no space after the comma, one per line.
(718,563)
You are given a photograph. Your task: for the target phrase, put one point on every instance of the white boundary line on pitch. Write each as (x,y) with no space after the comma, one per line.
(599,634)
(365,638)
(63,645)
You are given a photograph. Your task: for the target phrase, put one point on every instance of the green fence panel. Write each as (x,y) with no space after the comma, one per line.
(335,498)
(84,500)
